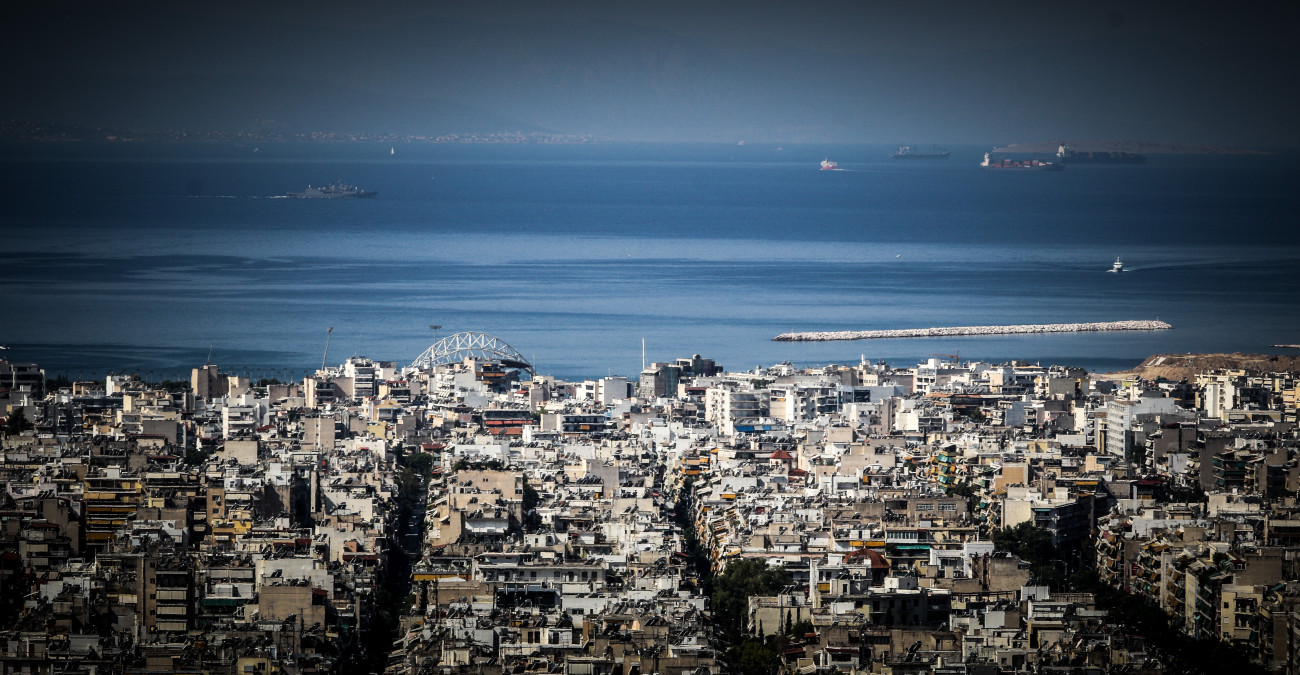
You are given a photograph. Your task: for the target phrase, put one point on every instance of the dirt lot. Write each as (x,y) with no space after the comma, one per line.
(1185,366)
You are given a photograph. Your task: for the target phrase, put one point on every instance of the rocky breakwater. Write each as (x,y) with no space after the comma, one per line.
(954,331)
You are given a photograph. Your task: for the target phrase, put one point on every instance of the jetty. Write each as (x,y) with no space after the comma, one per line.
(958,331)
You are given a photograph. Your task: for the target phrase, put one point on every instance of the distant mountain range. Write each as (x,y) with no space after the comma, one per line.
(126,67)
(1131,147)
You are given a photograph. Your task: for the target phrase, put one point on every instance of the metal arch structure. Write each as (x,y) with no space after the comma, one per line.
(460,346)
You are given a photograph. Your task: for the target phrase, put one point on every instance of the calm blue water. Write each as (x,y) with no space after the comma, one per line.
(145,257)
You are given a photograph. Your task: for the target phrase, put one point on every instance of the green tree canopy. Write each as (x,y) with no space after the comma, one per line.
(755,657)
(532,519)
(16,422)
(1030,542)
(420,463)
(733,588)
(1034,545)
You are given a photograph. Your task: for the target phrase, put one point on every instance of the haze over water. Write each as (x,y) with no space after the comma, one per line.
(145,257)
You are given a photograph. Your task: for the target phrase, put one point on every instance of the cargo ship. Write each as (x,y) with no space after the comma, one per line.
(1068,156)
(1019,164)
(332,191)
(908,152)
(830,165)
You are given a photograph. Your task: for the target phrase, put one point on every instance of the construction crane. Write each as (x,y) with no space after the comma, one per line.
(327,347)
(955,357)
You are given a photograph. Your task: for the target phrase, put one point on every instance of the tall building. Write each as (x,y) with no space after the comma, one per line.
(207,383)
(22,378)
(658,381)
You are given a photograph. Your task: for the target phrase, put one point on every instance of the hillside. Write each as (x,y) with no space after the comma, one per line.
(1131,147)
(1185,366)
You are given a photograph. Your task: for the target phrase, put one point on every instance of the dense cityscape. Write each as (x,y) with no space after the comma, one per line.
(465,515)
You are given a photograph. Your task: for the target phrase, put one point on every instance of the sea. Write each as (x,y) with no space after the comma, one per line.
(590,259)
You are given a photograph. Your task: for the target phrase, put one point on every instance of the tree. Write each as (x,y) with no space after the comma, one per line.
(962,490)
(701,563)
(733,588)
(419,462)
(1034,545)
(755,657)
(1030,542)
(197,456)
(174,386)
(16,422)
(532,519)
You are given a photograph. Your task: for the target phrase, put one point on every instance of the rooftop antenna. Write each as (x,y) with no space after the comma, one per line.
(327,347)
(209,361)
(642,353)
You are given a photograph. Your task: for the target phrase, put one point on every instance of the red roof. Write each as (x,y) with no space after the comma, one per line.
(877,561)
(780,454)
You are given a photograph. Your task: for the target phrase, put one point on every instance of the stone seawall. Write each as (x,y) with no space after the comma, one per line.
(952,331)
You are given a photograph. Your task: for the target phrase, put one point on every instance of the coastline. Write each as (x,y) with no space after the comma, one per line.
(954,331)
(1131,147)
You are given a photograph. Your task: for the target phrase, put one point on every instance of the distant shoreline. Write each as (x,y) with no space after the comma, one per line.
(1131,147)
(12,131)
(956,331)
(17,131)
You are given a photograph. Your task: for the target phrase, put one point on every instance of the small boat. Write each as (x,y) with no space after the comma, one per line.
(830,165)
(1117,266)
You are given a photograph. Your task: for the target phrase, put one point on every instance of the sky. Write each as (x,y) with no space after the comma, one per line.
(721,70)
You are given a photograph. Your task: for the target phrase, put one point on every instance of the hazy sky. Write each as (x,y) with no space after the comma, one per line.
(689,70)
